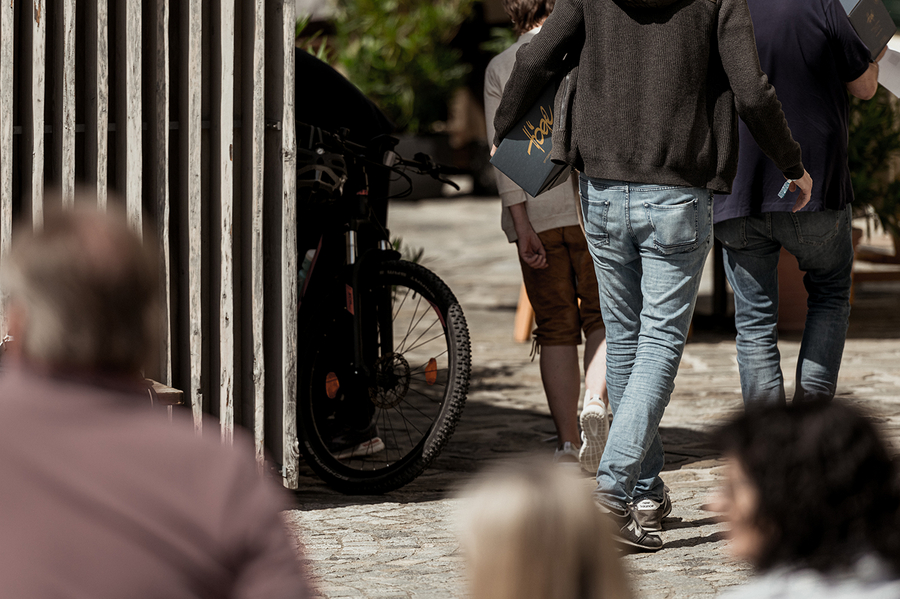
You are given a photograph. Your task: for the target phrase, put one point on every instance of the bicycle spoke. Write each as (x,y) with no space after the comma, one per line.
(431,399)
(399,347)
(422,317)
(423,379)
(439,336)
(400,307)
(435,356)
(408,436)
(416,409)
(393,434)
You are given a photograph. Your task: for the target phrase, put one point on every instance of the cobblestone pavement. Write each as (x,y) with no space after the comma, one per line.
(402,544)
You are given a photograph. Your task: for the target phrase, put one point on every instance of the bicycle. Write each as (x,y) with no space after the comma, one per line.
(385,358)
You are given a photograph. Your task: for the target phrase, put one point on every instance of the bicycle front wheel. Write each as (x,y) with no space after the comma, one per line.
(375,432)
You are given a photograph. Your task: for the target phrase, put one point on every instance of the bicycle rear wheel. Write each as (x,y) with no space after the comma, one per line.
(375,432)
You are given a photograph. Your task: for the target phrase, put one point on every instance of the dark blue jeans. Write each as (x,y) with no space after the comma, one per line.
(821,242)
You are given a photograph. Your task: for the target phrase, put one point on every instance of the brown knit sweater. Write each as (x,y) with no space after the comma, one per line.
(660,86)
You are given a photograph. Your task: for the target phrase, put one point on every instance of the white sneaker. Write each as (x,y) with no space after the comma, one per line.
(594,431)
(366,448)
(567,456)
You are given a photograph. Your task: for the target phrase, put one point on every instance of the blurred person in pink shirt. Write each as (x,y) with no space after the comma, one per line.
(102,496)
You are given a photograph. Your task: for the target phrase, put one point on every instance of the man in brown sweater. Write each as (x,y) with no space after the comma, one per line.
(101,495)
(660,85)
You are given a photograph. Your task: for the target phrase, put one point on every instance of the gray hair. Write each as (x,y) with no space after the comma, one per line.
(87,287)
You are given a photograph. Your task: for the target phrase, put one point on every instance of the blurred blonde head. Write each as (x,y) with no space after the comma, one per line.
(532,530)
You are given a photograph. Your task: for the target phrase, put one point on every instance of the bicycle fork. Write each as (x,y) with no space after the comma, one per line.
(369,312)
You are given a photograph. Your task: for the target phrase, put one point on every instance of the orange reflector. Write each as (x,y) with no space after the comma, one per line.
(431,372)
(332,385)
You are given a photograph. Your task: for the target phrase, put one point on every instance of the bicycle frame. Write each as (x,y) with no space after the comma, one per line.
(365,243)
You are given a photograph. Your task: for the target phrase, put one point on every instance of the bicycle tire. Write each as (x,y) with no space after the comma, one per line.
(417,386)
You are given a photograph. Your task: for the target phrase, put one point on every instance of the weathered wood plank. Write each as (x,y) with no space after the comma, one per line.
(191,51)
(7,18)
(97,114)
(68,104)
(133,183)
(38,88)
(223,55)
(161,185)
(258,124)
(289,255)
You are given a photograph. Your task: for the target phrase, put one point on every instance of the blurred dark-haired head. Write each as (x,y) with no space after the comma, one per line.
(527,14)
(810,485)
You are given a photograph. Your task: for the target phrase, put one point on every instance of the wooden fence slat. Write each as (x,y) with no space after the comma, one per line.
(191,50)
(162,188)
(50,149)
(224,52)
(38,86)
(133,114)
(258,124)
(289,256)
(68,105)
(96,142)
(7,18)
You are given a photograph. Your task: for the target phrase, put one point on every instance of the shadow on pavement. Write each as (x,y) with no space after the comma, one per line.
(488,433)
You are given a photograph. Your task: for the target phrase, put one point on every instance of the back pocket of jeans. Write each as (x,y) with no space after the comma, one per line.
(818,228)
(596,213)
(675,227)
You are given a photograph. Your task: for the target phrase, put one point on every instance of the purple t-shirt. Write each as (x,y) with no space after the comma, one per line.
(809,50)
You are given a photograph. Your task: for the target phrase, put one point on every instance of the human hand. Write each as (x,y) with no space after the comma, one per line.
(881,54)
(805,183)
(531,250)
(493,149)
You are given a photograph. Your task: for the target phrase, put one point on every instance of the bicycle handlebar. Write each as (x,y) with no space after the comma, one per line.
(422,163)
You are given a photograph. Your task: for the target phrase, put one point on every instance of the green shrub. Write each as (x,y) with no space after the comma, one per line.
(874,157)
(397,52)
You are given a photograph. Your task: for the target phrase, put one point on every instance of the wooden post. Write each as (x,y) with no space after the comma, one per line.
(254,126)
(7,38)
(223,186)
(133,183)
(67,134)
(34,110)
(97,114)
(159,152)
(289,264)
(191,49)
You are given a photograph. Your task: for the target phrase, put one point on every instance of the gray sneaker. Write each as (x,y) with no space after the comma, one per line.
(650,513)
(627,531)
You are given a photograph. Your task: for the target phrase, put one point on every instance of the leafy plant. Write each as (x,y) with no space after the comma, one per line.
(501,39)
(874,157)
(893,7)
(410,254)
(397,52)
(316,44)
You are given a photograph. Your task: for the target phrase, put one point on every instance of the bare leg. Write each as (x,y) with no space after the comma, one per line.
(595,364)
(561,377)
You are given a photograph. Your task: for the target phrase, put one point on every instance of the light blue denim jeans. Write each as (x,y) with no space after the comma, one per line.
(821,241)
(649,244)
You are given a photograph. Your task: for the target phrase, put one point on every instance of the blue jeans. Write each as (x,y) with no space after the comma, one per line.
(821,241)
(649,244)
